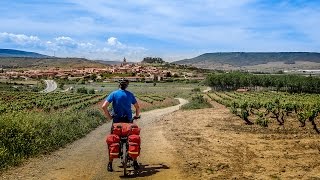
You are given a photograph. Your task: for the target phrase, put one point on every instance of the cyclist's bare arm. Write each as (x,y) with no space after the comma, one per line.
(137,107)
(105,110)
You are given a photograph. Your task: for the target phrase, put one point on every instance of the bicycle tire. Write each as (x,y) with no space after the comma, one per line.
(125,159)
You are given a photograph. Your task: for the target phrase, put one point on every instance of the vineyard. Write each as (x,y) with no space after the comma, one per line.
(263,108)
(284,83)
(36,123)
(151,98)
(33,123)
(15,101)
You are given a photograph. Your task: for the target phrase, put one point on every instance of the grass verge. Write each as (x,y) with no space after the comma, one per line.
(197,102)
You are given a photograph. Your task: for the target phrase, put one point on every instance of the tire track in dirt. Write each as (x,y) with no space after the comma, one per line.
(87,158)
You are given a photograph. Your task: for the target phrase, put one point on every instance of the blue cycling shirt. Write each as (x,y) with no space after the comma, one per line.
(121,102)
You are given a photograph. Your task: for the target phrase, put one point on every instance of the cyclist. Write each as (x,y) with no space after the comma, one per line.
(121,100)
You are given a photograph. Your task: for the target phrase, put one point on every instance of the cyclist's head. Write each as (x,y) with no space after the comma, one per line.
(123,83)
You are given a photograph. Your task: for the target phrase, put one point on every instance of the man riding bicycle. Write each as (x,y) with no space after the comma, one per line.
(121,100)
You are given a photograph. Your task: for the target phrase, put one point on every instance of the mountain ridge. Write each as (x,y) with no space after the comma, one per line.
(20,53)
(240,59)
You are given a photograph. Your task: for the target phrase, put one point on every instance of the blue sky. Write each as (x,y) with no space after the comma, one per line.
(100,29)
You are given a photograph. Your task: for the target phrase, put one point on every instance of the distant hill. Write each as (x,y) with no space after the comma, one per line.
(239,59)
(107,62)
(18,53)
(27,62)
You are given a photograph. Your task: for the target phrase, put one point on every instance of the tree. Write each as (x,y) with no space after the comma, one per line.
(153,60)
(93,77)
(168,74)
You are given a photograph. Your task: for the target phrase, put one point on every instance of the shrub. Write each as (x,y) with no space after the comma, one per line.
(196,89)
(82,90)
(91,91)
(197,102)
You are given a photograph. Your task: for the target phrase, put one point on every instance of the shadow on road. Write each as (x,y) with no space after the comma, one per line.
(146,170)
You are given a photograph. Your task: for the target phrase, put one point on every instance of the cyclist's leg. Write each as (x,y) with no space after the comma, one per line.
(136,165)
(110,169)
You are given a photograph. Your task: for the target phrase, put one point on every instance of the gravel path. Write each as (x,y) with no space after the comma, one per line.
(51,86)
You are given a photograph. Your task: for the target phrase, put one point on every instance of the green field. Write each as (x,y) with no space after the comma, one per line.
(162,89)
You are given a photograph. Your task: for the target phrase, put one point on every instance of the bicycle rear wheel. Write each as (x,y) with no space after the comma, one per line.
(125,159)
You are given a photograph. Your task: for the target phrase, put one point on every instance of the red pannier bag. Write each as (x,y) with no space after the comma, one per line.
(134,146)
(114,150)
(121,129)
(112,138)
(125,129)
(134,139)
(134,130)
(116,129)
(134,150)
(113,142)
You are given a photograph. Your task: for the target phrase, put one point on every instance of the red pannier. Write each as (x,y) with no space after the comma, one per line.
(134,139)
(116,129)
(114,150)
(121,129)
(125,129)
(113,142)
(134,130)
(134,146)
(112,138)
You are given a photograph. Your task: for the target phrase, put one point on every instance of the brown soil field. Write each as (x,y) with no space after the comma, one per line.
(215,144)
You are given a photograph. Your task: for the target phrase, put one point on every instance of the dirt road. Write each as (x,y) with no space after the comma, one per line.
(51,86)
(87,157)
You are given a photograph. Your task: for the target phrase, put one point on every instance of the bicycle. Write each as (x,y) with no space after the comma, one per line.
(125,158)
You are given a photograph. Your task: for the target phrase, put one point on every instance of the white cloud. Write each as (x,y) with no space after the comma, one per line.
(112,41)
(67,46)
(115,43)
(19,39)
(117,50)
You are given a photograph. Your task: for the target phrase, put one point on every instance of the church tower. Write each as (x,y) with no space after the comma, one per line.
(124,61)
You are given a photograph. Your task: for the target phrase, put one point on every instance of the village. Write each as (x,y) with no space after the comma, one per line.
(135,72)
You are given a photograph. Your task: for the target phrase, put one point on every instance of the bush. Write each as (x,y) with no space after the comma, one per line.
(91,91)
(196,89)
(82,90)
(26,134)
(197,102)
